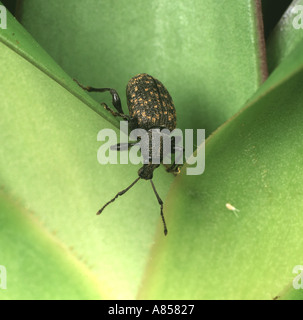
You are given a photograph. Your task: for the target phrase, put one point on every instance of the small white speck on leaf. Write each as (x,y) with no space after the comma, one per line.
(232,208)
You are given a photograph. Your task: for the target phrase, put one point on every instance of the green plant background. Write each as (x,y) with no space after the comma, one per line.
(212,60)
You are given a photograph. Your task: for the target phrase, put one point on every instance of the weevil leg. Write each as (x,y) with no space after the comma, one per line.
(118,194)
(115,96)
(161,205)
(175,167)
(114,113)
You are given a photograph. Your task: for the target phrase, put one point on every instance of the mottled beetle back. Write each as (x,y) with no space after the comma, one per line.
(150,103)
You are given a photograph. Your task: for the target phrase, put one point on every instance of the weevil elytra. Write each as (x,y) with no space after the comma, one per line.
(150,107)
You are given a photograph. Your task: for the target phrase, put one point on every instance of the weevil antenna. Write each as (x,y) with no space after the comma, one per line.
(161,205)
(118,194)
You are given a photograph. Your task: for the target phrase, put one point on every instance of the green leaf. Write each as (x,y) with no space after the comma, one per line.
(19,40)
(254,162)
(210,56)
(32,256)
(49,126)
(290,293)
(48,162)
(286,36)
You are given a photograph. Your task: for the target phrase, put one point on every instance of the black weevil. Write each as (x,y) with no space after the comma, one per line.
(150,107)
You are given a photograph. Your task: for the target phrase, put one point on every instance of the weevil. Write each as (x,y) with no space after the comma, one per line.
(150,107)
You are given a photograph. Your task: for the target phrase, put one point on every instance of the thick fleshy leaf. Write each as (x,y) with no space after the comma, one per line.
(34,265)
(48,162)
(253,162)
(210,56)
